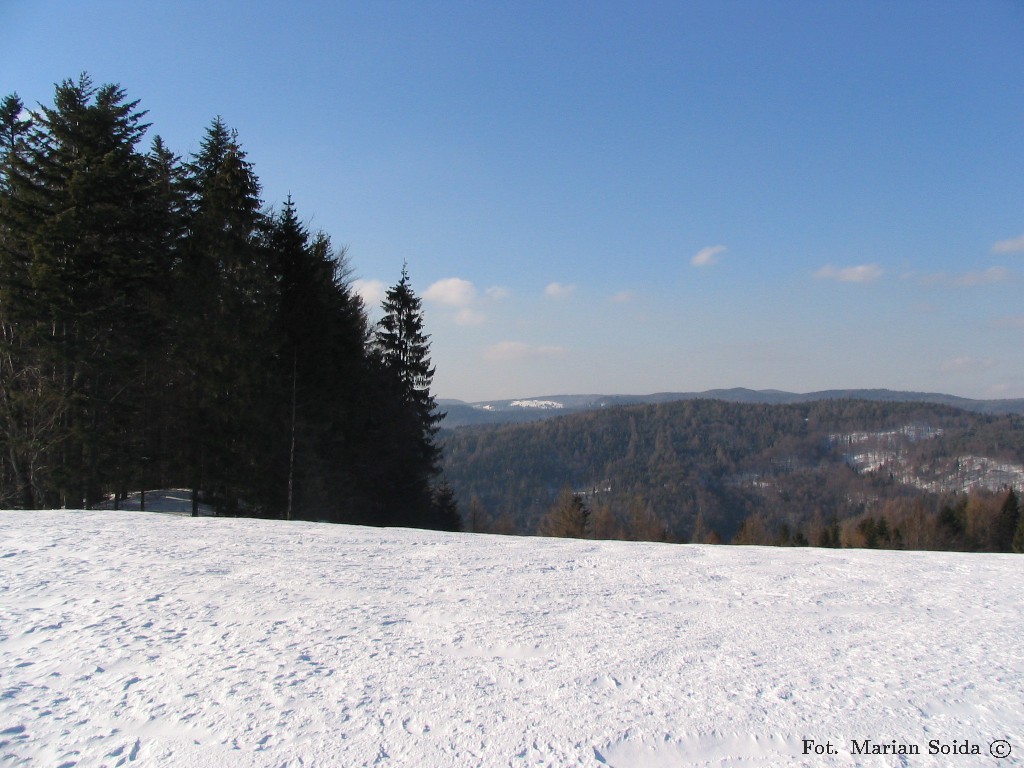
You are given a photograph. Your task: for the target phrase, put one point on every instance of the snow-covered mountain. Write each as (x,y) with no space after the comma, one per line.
(162,640)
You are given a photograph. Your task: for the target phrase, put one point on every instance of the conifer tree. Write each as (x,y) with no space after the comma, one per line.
(1018,536)
(1006,523)
(159,425)
(225,289)
(82,265)
(322,364)
(445,513)
(406,422)
(13,128)
(405,348)
(20,447)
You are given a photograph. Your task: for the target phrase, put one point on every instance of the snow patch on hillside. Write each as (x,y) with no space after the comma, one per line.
(886,452)
(546,405)
(164,640)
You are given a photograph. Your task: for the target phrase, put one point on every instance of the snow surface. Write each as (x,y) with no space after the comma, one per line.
(162,640)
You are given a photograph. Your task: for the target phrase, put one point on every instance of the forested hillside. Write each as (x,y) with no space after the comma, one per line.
(460,414)
(163,327)
(700,469)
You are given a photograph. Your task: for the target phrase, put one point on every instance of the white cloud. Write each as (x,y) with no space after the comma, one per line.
(505,351)
(623,297)
(1014,245)
(497,293)
(451,292)
(558,291)
(708,257)
(371,291)
(468,316)
(863,273)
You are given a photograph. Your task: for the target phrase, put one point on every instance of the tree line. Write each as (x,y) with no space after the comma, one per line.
(976,521)
(162,327)
(711,471)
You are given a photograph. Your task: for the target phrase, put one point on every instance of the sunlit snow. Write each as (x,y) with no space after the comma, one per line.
(140,638)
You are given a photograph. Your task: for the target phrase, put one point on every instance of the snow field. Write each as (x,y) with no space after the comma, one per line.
(160,640)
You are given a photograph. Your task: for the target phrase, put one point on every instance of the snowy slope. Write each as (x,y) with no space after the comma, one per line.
(131,638)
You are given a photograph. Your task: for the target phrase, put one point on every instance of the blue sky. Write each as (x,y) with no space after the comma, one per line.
(619,198)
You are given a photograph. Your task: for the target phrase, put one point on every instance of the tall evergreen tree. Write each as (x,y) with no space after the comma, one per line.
(321,368)
(82,262)
(225,332)
(445,509)
(289,245)
(407,417)
(1017,545)
(14,125)
(160,419)
(1006,523)
(19,452)
(405,348)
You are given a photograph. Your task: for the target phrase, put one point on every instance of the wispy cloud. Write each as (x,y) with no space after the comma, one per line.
(505,351)
(1013,245)
(708,257)
(623,297)
(371,291)
(497,293)
(967,279)
(470,316)
(863,273)
(985,277)
(558,291)
(451,292)
(966,364)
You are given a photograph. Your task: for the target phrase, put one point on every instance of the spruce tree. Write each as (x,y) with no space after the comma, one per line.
(16,467)
(160,419)
(225,334)
(13,128)
(445,510)
(407,418)
(1018,536)
(405,348)
(1006,523)
(80,267)
(321,369)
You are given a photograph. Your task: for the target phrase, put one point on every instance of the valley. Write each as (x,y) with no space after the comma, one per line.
(708,463)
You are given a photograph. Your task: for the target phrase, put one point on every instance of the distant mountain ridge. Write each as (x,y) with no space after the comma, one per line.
(460,413)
